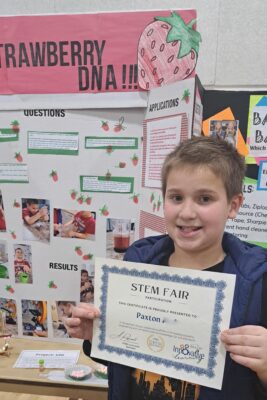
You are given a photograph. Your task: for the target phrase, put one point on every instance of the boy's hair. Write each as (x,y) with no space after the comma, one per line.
(215,153)
(31,201)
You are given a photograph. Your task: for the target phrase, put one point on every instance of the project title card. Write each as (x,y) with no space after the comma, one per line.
(163,319)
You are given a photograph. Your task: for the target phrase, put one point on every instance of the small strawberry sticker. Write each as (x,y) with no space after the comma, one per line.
(167,51)
(52,285)
(105,125)
(119,127)
(135,198)
(152,197)
(73,194)
(80,199)
(16,204)
(104,211)
(15,126)
(54,175)
(108,175)
(186,96)
(135,159)
(109,149)
(18,157)
(88,200)
(13,234)
(78,251)
(121,164)
(88,256)
(158,204)
(10,289)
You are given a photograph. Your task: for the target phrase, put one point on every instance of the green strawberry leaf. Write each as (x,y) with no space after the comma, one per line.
(188,37)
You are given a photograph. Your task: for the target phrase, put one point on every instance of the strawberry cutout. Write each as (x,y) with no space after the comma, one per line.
(119,127)
(10,289)
(73,194)
(186,96)
(105,126)
(109,149)
(108,175)
(121,164)
(134,160)
(52,285)
(13,234)
(16,204)
(78,251)
(18,157)
(88,256)
(135,198)
(167,51)
(54,175)
(15,126)
(104,211)
(88,200)
(80,199)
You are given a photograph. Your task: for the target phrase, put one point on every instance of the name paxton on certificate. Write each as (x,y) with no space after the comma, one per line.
(163,320)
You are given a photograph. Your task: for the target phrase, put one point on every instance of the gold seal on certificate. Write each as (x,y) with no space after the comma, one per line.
(162,319)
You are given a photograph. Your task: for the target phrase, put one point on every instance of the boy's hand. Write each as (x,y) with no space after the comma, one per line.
(80,324)
(248,346)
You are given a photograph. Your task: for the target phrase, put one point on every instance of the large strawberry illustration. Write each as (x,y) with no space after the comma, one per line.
(167,51)
(105,125)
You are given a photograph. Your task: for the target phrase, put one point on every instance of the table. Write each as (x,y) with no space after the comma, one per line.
(22,380)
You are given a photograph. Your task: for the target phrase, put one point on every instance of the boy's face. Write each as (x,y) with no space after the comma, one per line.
(33,208)
(196,210)
(84,277)
(19,254)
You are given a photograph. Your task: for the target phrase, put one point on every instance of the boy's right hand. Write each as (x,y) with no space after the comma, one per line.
(80,324)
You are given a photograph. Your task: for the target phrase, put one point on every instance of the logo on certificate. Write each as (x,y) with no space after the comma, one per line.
(155,343)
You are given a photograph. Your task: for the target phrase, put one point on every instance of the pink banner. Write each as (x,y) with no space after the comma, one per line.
(102,52)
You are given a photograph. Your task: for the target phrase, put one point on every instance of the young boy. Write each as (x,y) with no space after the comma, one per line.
(32,213)
(202,188)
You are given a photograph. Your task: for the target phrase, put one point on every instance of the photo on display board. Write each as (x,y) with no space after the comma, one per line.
(59,310)
(34,318)
(87,284)
(2,214)
(36,219)
(4,273)
(224,129)
(22,263)
(120,235)
(9,311)
(74,224)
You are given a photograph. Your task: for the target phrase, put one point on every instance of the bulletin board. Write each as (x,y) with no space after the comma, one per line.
(71,180)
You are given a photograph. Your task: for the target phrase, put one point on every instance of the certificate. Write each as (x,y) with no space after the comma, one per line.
(162,319)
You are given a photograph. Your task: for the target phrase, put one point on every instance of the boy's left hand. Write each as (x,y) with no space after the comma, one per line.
(247,346)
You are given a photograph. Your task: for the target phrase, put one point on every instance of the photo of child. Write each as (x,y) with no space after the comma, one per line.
(2,214)
(59,310)
(74,224)
(120,235)
(87,287)
(36,220)
(34,318)
(4,274)
(9,308)
(22,263)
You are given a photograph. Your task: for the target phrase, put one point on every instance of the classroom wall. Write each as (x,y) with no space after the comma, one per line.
(233,53)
